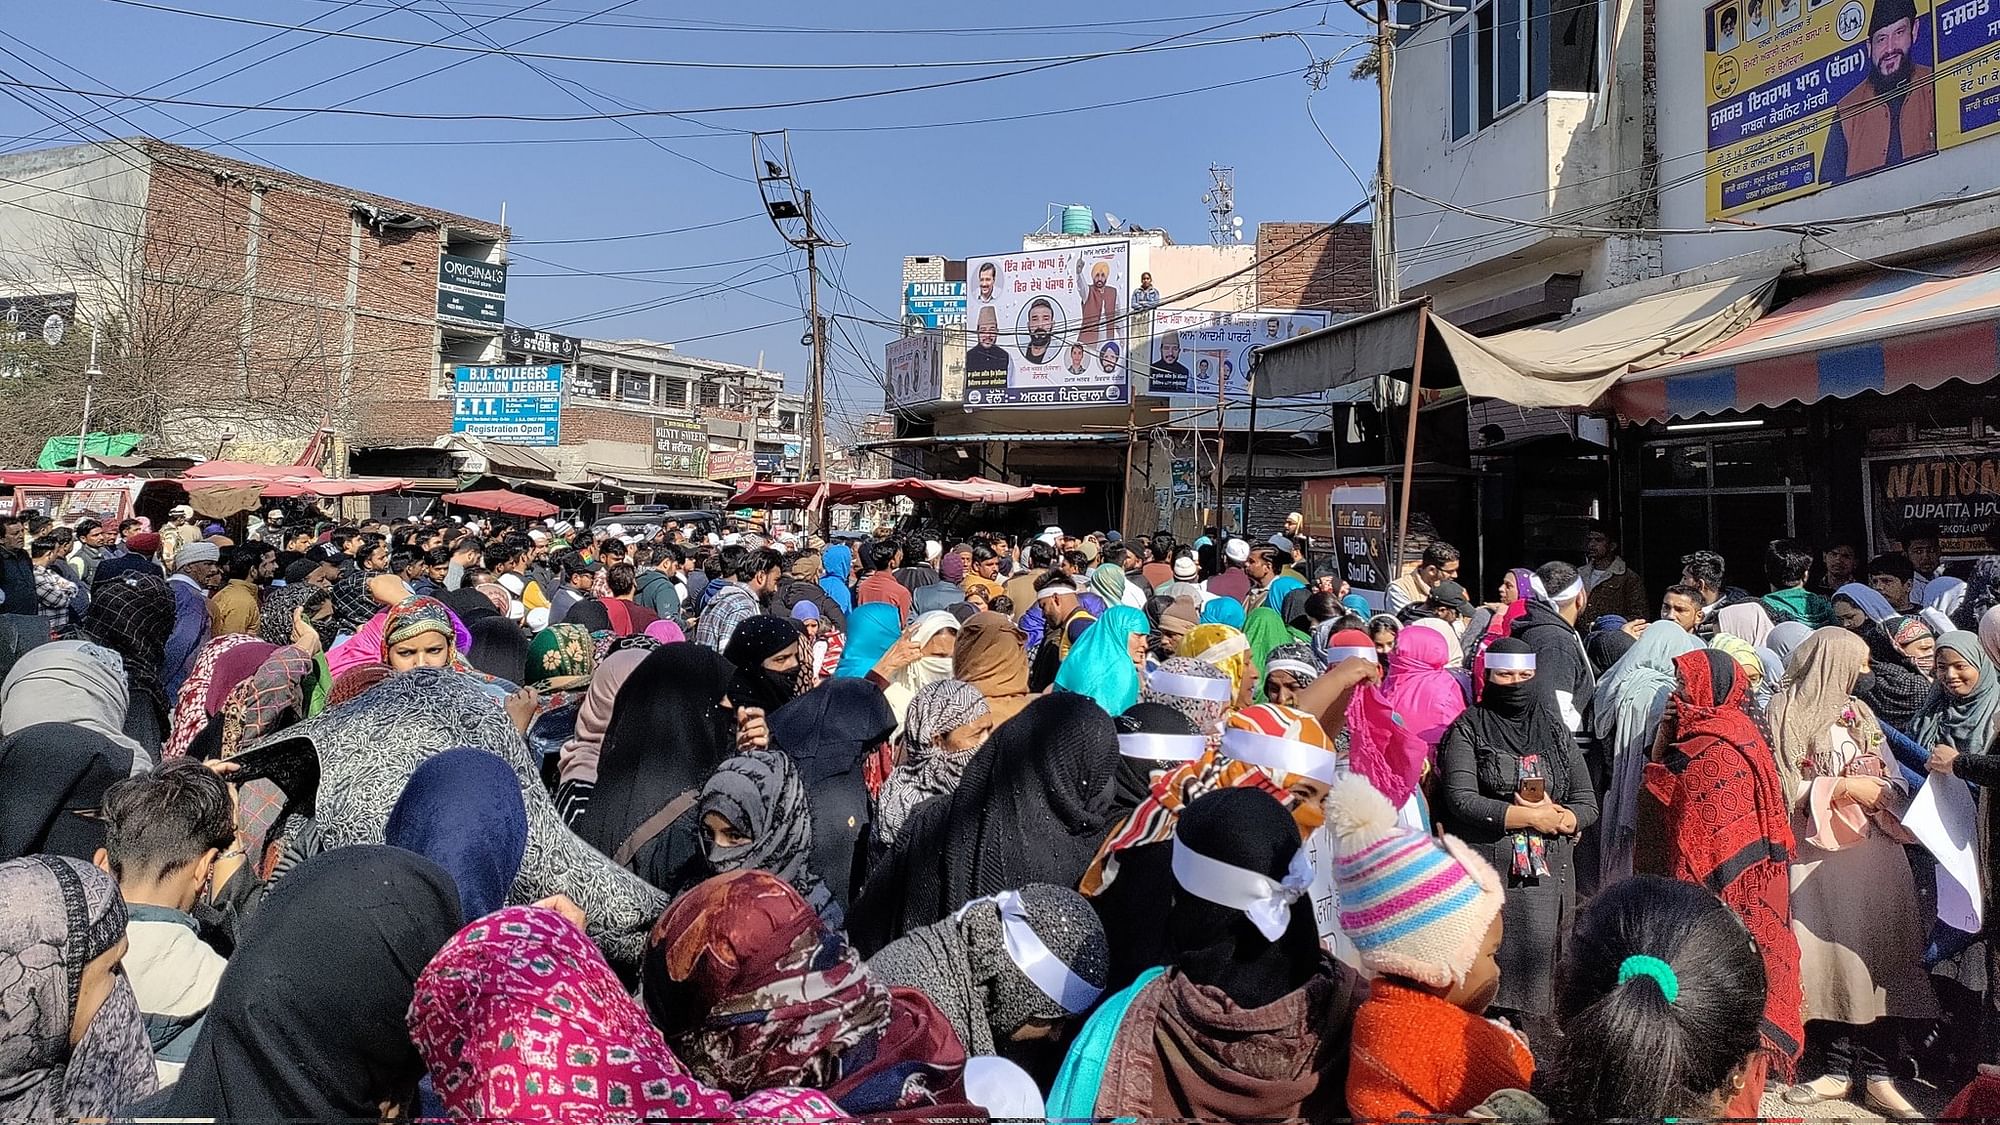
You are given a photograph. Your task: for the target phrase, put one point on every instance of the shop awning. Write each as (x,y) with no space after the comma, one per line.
(1567,362)
(971,490)
(278,481)
(44,478)
(1884,331)
(1005,439)
(504,502)
(630,480)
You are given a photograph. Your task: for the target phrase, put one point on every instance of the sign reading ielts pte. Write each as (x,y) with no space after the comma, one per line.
(509,405)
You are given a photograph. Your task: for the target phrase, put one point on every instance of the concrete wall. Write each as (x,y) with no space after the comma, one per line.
(52,199)
(1561,152)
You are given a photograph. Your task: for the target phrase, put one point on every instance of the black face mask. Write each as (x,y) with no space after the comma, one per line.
(1864,683)
(1509,701)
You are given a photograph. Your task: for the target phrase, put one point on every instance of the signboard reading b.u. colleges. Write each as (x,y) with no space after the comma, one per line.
(509,405)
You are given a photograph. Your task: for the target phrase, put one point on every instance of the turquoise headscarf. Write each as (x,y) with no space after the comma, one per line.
(1281,588)
(1223,611)
(871,630)
(1099,664)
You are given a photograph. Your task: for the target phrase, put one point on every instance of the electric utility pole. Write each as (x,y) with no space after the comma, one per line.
(791,211)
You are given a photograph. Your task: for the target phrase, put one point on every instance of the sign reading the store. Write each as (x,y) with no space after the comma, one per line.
(1961,495)
(535,342)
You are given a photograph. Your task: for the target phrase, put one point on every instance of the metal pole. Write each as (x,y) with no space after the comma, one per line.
(817,397)
(1388,290)
(1249,457)
(90,374)
(1410,436)
(1221,448)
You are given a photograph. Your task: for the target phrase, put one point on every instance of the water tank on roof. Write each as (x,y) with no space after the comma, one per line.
(1077,220)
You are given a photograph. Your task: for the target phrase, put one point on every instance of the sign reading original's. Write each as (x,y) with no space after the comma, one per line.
(472,291)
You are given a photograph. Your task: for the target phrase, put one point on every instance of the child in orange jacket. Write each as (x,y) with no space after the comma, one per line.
(1425,916)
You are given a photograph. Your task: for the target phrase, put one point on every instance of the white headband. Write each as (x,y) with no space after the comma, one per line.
(1033,957)
(1224,649)
(1056,590)
(1212,689)
(1265,901)
(1162,747)
(1510,661)
(1288,755)
(1352,652)
(1568,595)
(1295,667)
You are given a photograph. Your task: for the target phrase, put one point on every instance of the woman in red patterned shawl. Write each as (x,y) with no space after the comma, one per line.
(753,992)
(1727,829)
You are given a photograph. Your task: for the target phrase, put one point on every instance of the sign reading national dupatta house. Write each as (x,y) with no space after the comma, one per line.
(472,291)
(1961,495)
(509,405)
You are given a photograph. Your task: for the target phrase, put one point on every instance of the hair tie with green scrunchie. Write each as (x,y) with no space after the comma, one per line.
(1641,965)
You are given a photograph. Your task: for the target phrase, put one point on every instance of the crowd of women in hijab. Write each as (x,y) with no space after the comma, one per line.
(481,823)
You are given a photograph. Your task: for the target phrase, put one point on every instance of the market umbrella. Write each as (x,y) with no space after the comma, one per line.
(503,501)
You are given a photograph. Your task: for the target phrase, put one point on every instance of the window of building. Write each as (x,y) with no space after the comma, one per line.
(788,420)
(711,393)
(635,386)
(1505,53)
(669,391)
(1730,494)
(592,381)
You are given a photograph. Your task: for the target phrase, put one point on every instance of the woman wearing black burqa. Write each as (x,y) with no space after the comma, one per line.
(308,1022)
(669,729)
(1033,806)
(828,733)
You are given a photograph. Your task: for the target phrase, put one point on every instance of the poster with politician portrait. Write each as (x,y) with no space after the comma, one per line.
(1048,327)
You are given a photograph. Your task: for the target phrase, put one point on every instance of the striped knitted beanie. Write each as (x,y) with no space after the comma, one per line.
(1415,907)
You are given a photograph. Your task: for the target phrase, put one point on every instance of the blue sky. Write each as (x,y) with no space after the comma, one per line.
(886,177)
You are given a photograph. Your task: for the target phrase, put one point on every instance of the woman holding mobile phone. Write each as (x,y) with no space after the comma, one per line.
(1511,781)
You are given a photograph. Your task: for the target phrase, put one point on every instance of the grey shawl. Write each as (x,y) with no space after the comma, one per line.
(60,915)
(71,682)
(927,770)
(367,748)
(961,963)
(759,793)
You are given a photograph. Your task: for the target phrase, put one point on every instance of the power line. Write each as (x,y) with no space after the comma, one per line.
(513,242)
(687,64)
(346,110)
(686,24)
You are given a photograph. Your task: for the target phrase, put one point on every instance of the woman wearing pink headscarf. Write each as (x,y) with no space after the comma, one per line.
(1394,729)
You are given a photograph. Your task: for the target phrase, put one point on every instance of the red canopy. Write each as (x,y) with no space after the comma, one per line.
(972,490)
(45,478)
(503,501)
(278,481)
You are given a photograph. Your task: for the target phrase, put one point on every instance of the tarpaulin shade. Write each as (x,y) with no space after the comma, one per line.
(40,478)
(972,489)
(1883,331)
(280,481)
(504,502)
(62,450)
(1568,362)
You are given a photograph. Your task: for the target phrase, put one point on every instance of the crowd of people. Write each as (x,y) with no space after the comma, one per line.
(544,823)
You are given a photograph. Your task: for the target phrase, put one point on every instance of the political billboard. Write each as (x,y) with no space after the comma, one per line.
(1807,94)
(1192,348)
(509,405)
(915,371)
(1048,327)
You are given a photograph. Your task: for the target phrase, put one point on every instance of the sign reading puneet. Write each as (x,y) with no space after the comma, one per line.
(509,405)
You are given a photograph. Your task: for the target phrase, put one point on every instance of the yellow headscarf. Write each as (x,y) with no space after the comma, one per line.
(1223,647)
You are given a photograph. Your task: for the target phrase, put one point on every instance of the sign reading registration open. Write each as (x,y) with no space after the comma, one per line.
(1806,94)
(509,405)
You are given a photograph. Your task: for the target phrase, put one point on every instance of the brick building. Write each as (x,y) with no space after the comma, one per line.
(244,308)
